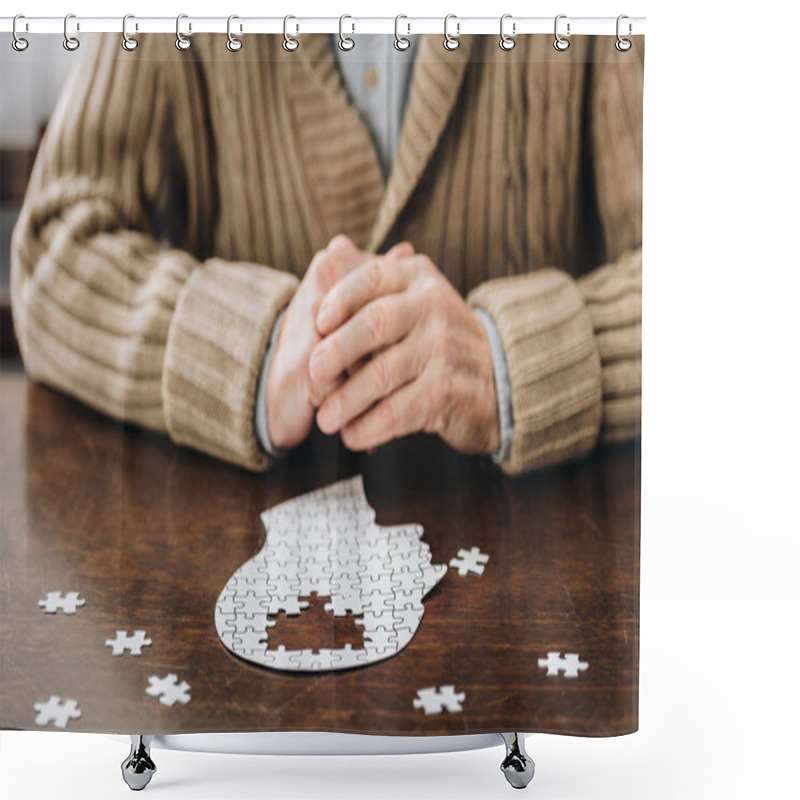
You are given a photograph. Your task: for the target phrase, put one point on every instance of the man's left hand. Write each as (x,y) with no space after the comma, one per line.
(413,355)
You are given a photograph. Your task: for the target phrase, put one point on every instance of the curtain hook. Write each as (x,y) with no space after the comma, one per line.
(345,42)
(18,43)
(451,42)
(507,42)
(560,43)
(70,42)
(128,42)
(290,43)
(233,44)
(400,42)
(623,45)
(182,43)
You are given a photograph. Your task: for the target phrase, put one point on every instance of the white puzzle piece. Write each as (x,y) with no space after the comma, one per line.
(123,642)
(433,701)
(327,542)
(168,690)
(67,603)
(57,711)
(570,665)
(471,560)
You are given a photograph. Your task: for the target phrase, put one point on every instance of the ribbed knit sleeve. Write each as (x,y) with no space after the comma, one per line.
(553,365)
(613,293)
(113,300)
(573,348)
(613,297)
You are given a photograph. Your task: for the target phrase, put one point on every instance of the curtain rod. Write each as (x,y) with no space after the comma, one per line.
(567,26)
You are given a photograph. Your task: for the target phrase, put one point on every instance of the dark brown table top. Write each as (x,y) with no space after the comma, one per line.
(149,533)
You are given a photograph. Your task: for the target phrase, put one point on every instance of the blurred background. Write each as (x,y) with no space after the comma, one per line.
(30,83)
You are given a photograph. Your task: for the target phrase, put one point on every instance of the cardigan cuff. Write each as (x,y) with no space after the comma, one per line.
(214,355)
(502,387)
(553,366)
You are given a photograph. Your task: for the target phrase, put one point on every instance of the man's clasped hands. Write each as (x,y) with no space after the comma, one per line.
(376,347)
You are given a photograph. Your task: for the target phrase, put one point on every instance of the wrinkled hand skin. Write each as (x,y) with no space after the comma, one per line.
(292,397)
(398,351)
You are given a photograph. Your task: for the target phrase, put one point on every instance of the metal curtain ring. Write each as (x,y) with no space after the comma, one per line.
(345,42)
(181,42)
(18,43)
(506,41)
(400,42)
(128,42)
(290,43)
(70,42)
(451,42)
(560,43)
(233,44)
(623,45)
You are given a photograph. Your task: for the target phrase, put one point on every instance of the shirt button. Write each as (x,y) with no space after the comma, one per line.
(371,77)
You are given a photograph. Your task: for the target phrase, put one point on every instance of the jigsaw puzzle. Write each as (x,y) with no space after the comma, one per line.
(570,664)
(57,711)
(434,702)
(327,542)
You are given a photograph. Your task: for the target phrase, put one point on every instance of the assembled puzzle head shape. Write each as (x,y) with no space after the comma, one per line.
(327,542)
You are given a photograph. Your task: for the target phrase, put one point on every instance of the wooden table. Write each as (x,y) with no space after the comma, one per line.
(149,533)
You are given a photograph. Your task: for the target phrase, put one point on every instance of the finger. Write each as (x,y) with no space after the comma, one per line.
(330,265)
(400,414)
(380,323)
(378,378)
(318,393)
(401,250)
(377,277)
(344,251)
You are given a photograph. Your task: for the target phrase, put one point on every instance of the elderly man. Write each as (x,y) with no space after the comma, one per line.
(229,247)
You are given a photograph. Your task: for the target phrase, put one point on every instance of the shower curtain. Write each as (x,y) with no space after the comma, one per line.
(330,411)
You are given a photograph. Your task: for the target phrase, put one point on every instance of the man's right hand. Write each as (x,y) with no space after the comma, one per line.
(292,398)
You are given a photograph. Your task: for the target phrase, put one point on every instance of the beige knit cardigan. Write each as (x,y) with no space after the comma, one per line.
(178,197)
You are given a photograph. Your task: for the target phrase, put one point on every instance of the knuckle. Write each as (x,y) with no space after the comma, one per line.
(425,265)
(376,322)
(373,274)
(388,415)
(431,292)
(381,379)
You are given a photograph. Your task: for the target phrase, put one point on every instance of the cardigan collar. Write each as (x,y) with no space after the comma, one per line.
(435,83)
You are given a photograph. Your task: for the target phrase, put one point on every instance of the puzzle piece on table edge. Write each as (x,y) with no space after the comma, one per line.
(434,701)
(168,690)
(57,711)
(68,603)
(471,560)
(123,642)
(326,542)
(570,664)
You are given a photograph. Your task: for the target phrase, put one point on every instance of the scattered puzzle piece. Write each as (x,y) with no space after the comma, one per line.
(68,603)
(469,561)
(124,642)
(168,690)
(570,664)
(57,711)
(434,702)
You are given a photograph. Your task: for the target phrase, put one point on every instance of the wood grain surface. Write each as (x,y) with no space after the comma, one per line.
(149,533)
